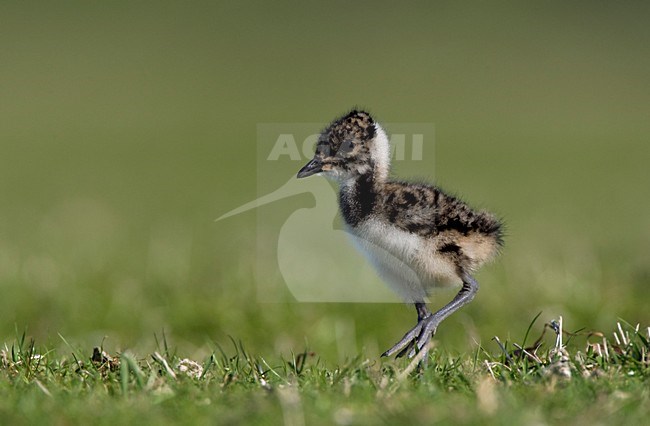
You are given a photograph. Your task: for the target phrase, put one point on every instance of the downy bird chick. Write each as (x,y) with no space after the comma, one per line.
(415,235)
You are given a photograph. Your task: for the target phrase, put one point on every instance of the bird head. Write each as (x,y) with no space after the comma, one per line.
(351,146)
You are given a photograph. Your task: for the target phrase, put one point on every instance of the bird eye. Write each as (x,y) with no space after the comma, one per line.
(346,147)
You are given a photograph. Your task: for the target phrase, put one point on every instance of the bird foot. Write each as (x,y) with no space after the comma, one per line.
(416,339)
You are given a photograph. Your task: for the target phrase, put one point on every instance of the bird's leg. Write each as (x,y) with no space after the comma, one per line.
(427,324)
(422,310)
(408,340)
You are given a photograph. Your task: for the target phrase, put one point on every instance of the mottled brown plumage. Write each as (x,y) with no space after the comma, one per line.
(417,236)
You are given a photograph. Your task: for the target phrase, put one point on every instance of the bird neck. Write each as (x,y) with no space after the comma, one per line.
(380,155)
(358,198)
(360,193)
(379,165)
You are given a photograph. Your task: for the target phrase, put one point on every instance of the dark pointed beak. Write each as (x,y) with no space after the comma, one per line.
(311,168)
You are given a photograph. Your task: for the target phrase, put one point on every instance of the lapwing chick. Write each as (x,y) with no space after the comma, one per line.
(416,236)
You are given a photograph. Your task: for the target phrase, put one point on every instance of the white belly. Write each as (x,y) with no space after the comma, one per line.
(408,263)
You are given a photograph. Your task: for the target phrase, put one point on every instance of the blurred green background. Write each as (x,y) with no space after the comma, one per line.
(126,128)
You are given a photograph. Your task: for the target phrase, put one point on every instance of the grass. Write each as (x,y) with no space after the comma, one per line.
(585,379)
